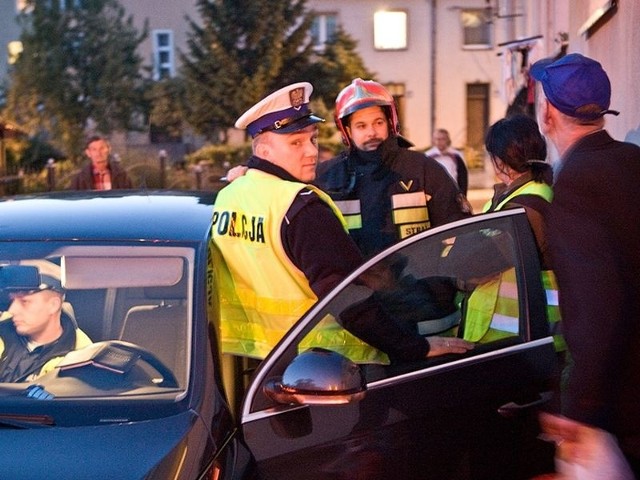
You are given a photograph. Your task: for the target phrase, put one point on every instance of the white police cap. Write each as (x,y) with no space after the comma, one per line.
(284,111)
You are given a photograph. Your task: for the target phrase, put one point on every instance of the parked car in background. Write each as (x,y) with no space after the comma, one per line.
(147,399)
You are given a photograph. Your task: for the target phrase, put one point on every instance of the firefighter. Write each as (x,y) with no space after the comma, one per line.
(385,191)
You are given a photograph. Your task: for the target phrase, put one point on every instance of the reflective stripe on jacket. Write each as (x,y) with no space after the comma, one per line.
(409,213)
(255,310)
(493,309)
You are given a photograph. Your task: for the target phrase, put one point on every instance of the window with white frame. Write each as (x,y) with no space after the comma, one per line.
(163,54)
(323,29)
(476,28)
(390,30)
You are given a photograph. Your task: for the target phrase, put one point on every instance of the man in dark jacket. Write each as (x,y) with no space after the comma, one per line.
(385,191)
(594,241)
(100,173)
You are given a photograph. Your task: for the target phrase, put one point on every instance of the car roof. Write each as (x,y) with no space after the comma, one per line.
(112,215)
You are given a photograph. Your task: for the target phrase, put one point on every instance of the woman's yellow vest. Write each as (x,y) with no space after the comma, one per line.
(261,293)
(492,309)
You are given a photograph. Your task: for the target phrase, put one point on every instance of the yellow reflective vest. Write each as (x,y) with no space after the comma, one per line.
(261,293)
(492,309)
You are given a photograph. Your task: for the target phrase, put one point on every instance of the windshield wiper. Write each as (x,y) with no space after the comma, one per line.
(12,420)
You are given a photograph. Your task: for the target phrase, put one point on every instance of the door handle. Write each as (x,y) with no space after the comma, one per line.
(513,409)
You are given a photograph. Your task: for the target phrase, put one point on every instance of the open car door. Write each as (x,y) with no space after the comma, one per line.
(313,413)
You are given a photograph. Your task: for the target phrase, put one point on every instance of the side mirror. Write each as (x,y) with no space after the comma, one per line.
(318,377)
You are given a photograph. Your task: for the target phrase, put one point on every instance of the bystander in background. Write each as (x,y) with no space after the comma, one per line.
(450,158)
(101,173)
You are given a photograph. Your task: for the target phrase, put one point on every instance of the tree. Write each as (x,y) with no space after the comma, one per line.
(335,67)
(166,99)
(239,52)
(79,68)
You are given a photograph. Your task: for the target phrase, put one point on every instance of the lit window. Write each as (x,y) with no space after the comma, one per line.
(163,55)
(476,28)
(323,29)
(390,30)
(14,49)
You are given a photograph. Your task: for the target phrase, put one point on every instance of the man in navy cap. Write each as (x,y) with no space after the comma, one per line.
(280,243)
(36,334)
(594,240)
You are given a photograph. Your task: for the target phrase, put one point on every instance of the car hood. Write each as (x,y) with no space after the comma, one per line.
(122,451)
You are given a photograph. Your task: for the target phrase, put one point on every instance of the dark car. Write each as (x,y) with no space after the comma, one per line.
(153,398)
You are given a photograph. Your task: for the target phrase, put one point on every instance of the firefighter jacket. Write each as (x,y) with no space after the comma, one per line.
(261,292)
(390,193)
(492,309)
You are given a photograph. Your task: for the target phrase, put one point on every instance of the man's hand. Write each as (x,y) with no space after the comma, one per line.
(584,452)
(444,345)
(235,172)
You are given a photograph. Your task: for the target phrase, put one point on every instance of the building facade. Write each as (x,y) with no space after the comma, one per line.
(454,64)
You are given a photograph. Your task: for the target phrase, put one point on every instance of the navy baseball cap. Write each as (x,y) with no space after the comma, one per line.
(284,111)
(576,85)
(47,282)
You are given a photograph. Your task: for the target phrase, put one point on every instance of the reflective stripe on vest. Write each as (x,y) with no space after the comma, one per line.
(550,285)
(410,213)
(530,188)
(351,211)
(255,311)
(493,310)
(329,334)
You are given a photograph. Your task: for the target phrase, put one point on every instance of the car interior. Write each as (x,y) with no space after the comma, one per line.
(134,295)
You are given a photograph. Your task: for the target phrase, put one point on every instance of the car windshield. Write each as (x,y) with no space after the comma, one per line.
(133,302)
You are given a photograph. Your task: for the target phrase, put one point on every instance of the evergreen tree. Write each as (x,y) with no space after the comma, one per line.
(335,67)
(240,51)
(78,69)
(166,99)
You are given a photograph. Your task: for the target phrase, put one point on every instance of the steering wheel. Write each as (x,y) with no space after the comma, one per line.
(120,357)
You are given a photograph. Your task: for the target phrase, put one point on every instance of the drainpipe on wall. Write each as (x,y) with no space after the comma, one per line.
(432,86)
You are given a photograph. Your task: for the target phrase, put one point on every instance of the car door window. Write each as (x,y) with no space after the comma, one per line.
(449,285)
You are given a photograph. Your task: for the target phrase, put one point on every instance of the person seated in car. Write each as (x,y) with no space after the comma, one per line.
(35,333)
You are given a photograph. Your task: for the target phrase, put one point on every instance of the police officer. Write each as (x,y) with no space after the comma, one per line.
(36,333)
(280,243)
(518,152)
(385,191)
